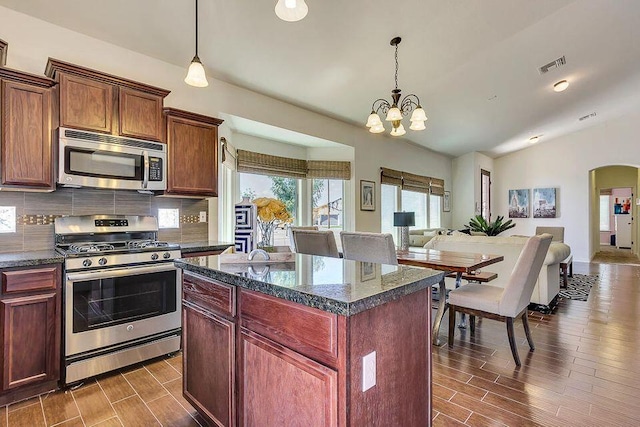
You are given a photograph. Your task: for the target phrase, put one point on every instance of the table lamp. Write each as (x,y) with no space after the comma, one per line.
(404,220)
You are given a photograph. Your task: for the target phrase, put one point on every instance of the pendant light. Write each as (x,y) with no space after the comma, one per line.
(196,75)
(291,10)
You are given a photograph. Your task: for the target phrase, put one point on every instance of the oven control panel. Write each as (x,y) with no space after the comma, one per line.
(102,261)
(112,222)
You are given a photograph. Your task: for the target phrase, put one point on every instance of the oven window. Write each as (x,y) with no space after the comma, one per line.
(103,164)
(108,302)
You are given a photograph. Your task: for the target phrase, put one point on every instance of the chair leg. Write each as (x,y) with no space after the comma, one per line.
(452,324)
(527,331)
(512,341)
(472,325)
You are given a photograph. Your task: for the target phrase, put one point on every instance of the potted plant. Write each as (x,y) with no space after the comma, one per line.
(478,223)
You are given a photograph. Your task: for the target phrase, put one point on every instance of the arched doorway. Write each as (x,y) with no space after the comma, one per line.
(614,228)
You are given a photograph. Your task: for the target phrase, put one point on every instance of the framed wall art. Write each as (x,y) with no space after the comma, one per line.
(446,202)
(519,203)
(544,203)
(367,195)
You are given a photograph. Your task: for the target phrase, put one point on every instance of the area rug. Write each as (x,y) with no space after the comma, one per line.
(578,286)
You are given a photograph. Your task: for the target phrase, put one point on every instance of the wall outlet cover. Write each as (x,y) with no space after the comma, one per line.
(203,216)
(368,371)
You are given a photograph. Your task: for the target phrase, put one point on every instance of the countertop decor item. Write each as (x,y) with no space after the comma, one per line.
(398,109)
(246,227)
(271,213)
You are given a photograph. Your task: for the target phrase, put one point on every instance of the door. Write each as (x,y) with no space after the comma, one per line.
(26,135)
(485,194)
(31,350)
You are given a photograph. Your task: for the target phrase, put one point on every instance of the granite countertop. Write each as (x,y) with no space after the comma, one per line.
(32,258)
(204,246)
(334,285)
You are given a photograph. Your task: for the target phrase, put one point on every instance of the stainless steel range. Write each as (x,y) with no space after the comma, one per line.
(121,293)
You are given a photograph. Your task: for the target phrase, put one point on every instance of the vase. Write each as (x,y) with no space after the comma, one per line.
(245,232)
(266,233)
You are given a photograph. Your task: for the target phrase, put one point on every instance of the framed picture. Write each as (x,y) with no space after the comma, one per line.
(544,203)
(367,271)
(519,203)
(446,202)
(367,195)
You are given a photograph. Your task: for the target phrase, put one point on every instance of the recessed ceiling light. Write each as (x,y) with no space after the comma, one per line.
(534,139)
(560,86)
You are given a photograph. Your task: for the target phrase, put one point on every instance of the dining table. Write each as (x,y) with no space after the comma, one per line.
(463,264)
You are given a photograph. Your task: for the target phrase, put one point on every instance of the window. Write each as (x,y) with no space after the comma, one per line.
(388,205)
(435,207)
(412,201)
(327,196)
(605,213)
(284,189)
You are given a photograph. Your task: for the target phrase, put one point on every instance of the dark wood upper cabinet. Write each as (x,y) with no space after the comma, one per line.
(26,131)
(4,46)
(192,151)
(96,101)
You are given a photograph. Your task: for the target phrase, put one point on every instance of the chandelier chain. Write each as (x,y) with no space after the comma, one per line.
(396,66)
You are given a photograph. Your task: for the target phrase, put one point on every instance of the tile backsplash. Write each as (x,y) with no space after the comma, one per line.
(35,213)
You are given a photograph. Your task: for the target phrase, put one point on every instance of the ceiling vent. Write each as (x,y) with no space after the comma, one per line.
(553,64)
(588,116)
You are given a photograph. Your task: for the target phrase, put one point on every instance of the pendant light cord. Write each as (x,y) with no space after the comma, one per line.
(197,33)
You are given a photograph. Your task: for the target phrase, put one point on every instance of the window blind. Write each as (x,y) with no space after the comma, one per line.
(228,154)
(437,187)
(417,183)
(390,177)
(265,164)
(327,169)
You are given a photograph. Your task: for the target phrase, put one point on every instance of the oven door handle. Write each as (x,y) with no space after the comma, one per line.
(145,181)
(120,272)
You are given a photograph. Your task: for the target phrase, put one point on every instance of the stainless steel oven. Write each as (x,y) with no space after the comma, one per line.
(122,293)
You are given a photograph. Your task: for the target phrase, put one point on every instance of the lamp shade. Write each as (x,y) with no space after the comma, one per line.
(291,10)
(196,75)
(404,219)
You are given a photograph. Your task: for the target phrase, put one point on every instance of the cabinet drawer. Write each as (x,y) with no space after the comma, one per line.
(209,295)
(309,331)
(35,279)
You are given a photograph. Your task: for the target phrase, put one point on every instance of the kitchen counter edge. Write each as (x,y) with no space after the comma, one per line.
(29,259)
(343,308)
(204,246)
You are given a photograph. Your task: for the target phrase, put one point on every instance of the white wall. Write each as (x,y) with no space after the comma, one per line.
(565,163)
(32,41)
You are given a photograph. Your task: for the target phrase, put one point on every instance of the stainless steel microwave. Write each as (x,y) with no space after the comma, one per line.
(89,159)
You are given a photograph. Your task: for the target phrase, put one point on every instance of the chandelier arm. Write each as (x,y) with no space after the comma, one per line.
(408,103)
(383,106)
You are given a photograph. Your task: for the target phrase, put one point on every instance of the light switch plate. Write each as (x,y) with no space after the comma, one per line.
(369,371)
(203,216)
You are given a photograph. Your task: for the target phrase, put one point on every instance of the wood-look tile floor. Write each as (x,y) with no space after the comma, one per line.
(144,395)
(585,371)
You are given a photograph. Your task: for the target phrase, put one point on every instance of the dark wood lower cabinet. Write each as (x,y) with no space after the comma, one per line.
(280,386)
(30,312)
(209,378)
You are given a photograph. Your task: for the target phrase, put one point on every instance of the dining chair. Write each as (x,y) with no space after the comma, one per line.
(369,247)
(292,244)
(314,242)
(503,304)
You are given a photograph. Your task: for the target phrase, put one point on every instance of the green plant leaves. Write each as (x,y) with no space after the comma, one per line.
(478,223)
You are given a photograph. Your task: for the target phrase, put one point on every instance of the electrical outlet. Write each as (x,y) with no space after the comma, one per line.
(203,216)
(368,371)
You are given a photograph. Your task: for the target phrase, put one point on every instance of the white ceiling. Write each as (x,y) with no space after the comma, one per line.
(473,63)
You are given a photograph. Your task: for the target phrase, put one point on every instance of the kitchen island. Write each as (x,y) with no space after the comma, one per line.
(314,341)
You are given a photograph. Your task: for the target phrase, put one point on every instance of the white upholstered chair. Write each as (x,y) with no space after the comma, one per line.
(566,266)
(292,244)
(556,232)
(504,304)
(369,247)
(314,242)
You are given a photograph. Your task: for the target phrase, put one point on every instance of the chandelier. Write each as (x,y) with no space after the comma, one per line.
(398,109)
